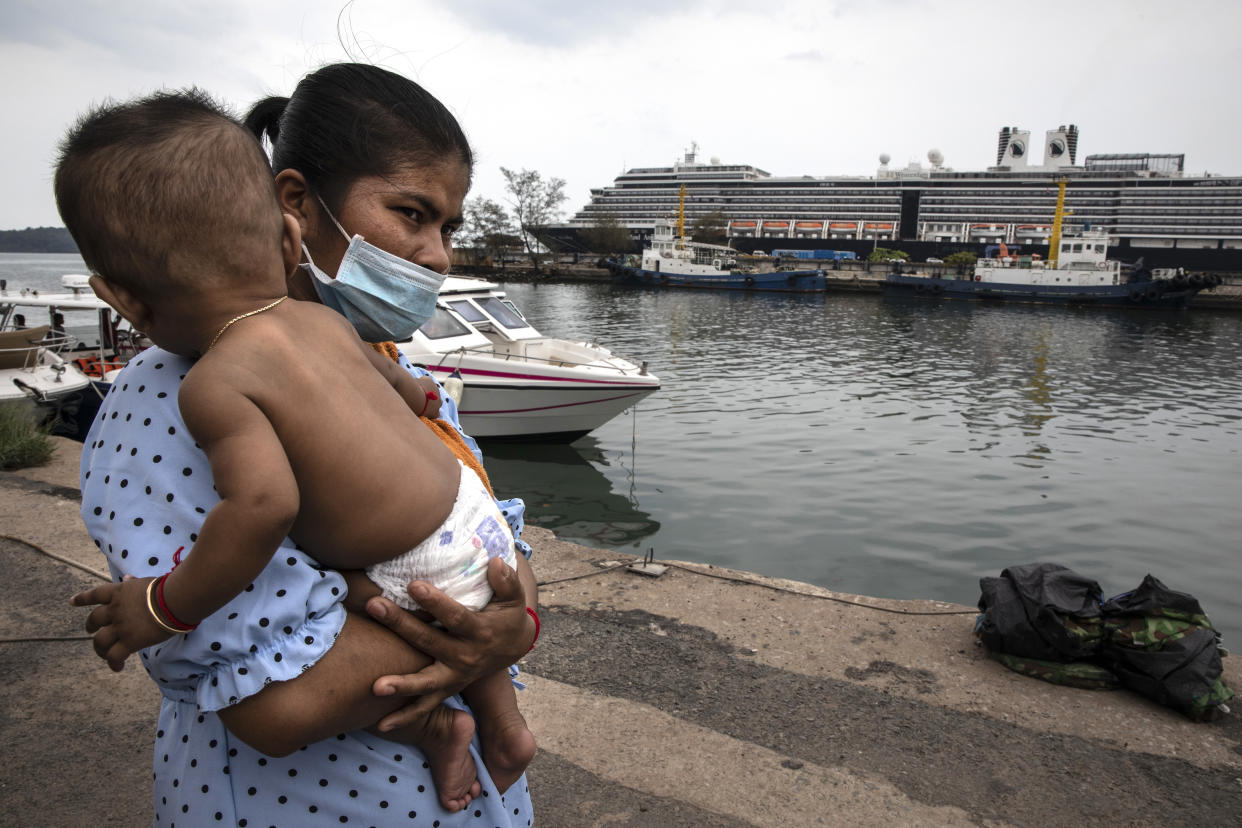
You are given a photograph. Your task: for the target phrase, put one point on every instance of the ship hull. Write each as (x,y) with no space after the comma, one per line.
(1133,295)
(781,281)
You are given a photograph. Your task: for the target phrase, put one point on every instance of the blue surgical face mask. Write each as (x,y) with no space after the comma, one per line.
(383,296)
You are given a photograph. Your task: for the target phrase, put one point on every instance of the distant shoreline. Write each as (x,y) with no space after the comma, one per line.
(37,240)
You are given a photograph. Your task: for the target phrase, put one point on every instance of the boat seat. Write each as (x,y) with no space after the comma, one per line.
(15,346)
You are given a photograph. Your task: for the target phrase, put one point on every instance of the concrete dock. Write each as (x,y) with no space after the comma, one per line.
(703,697)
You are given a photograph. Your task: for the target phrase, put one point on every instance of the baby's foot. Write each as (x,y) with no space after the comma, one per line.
(446,746)
(508,747)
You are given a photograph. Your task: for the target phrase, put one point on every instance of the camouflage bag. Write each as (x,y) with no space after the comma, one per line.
(1045,621)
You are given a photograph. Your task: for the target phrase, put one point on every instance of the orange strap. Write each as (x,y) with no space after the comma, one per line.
(443,429)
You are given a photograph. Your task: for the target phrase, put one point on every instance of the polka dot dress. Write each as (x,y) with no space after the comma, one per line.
(145,491)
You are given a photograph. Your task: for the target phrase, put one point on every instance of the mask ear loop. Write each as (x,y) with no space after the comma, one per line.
(348,238)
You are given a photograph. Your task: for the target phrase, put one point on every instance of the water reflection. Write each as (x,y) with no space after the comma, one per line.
(579,491)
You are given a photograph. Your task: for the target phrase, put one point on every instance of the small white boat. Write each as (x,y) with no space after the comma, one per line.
(516,383)
(58,351)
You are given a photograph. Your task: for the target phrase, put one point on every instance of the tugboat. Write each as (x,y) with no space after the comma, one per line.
(673,260)
(1078,272)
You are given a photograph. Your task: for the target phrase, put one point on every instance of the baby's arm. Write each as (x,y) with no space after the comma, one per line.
(421,394)
(258,497)
(259,501)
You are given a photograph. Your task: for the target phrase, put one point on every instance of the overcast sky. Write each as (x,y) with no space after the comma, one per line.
(580,89)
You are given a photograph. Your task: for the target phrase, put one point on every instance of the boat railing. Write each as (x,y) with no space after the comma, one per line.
(509,356)
(28,348)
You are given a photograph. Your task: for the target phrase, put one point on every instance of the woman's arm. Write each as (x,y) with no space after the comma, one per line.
(333,696)
(336,694)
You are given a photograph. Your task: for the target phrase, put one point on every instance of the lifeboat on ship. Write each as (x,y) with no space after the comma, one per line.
(1040,230)
(816,226)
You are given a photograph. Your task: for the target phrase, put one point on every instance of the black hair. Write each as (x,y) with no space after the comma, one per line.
(166,190)
(348,120)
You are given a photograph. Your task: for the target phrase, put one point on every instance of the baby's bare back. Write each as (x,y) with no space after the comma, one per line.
(373,481)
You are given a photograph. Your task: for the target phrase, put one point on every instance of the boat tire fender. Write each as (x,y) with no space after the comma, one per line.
(937,288)
(749,281)
(978,278)
(1136,295)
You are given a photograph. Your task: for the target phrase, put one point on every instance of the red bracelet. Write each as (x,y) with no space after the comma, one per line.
(428,396)
(168,616)
(536,617)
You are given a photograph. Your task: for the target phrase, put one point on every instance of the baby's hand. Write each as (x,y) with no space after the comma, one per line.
(122,622)
(429,387)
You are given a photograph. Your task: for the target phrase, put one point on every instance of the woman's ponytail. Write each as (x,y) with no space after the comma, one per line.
(263,119)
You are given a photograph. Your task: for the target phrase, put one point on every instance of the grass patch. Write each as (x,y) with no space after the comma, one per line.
(23,441)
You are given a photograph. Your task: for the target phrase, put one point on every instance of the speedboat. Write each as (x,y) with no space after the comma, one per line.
(58,351)
(512,382)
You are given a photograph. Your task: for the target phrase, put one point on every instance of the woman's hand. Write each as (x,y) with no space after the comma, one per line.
(470,646)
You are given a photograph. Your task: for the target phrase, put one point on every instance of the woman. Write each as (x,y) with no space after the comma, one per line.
(271,709)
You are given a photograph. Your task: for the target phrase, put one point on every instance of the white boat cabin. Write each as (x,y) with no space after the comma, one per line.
(1082,260)
(670,253)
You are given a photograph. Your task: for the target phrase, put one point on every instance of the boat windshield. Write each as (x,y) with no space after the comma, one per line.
(443,325)
(468,311)
(500,312)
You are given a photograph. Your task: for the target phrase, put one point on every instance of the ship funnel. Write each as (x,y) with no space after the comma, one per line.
(1060,147)
(1015,145)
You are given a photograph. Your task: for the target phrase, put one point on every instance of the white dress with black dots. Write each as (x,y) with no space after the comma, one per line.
(146,488)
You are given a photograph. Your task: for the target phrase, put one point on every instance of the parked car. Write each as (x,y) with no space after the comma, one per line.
(934,260)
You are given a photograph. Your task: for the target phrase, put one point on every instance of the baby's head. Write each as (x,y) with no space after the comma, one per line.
(168,195)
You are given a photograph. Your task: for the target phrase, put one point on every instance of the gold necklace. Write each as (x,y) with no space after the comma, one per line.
(229,324)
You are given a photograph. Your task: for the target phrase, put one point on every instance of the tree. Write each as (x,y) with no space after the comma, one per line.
(709,228)
(488,228)
(883,254)
(606,236)
(536,203)
(963,258)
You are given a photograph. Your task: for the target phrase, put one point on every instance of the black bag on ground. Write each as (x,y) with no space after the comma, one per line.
(1041,610)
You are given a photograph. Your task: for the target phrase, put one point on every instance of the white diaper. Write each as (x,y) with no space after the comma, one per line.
(454,557)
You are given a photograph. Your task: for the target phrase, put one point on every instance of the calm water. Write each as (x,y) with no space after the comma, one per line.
(897,450)
(904,450)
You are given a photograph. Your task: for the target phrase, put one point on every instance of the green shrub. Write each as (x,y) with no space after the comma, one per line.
(23,441)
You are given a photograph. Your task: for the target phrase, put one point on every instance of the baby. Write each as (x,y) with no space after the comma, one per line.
(310,433)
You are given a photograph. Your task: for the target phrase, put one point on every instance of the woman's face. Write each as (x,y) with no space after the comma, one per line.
(411,213)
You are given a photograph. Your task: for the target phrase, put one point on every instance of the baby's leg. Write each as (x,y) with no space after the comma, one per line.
(444,736)
(508,745)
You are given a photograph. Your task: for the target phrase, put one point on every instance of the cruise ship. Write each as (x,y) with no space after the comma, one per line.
(1147,204)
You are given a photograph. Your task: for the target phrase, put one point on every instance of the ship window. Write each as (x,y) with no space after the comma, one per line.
(443,325)
(1077,248)
(468,311)
(498,311)
(1099,248)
